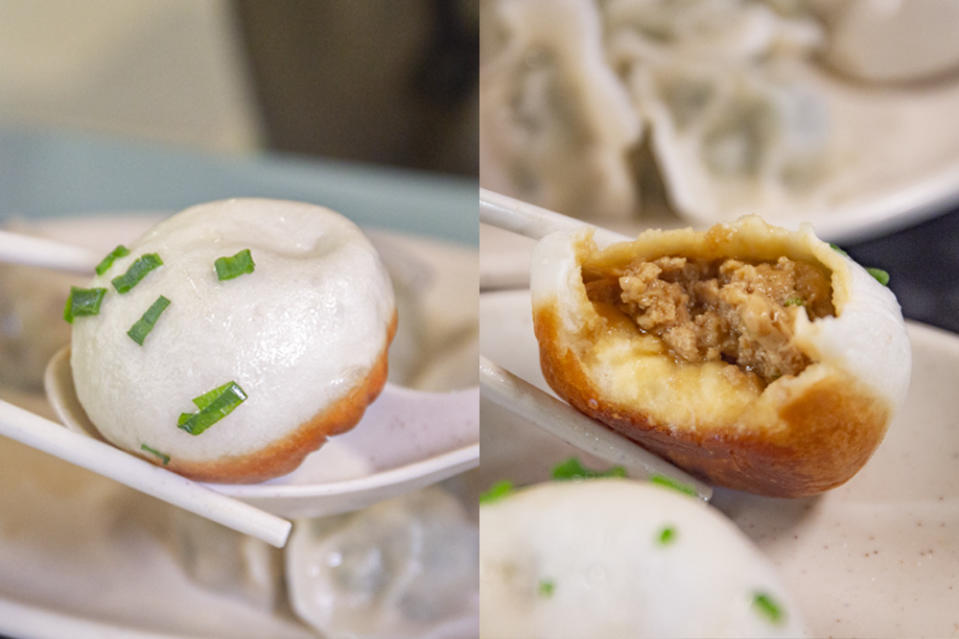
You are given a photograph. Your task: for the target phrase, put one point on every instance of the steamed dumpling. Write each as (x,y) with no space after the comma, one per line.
(882,41)
(403,568)
(731,141)
(555,124)
(734,121)
(731,31)
(303,338)
(618,558)
(758,358)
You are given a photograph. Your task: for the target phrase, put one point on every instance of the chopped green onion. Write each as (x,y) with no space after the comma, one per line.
(107,262)
(768,607)
(794,301)
(137,271)
(229,267)
(546,588)
(666,536)
(208,397)
(838,250)
(496,492)
(83,301)
(163,457)
(214,406)
(662,480)
(881,276)
(573,469)
(144,325)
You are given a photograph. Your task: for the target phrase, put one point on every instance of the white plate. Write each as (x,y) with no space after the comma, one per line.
(82,556)
(876,557)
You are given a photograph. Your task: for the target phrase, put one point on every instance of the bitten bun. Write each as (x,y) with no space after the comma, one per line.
(789,434)
(619,558)
(305,336)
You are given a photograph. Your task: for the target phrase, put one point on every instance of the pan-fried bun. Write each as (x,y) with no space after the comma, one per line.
(304,336)
(758,358)
(620,558)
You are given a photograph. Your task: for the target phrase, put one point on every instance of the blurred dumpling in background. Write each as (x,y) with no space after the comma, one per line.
(732,128)
(566,88)
(729,141)
(891,41)
(734,107)
(556,127)
(717,30)
(401,568)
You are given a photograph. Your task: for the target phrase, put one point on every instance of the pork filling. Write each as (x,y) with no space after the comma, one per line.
(731,310)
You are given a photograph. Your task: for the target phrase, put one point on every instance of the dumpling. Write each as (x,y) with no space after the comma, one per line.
(758,358)
(730,141)
(881,41)
(730,31)
(401,568)
(556,126)
(226,562)
(233,338)
(619,558)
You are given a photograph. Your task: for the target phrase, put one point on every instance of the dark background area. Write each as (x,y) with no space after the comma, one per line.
(923,266)
(383,82)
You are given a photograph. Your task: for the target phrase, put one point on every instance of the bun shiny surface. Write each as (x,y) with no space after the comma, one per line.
(304,335)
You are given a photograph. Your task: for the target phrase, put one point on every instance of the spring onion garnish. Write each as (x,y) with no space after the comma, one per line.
(496,492)
(836,248)
(137,271)
(214,406)
(163,457)
(662,480)
(881,276)
(83,301)
(107,262)
(573,469)
(139,331)
(229,267)
(767,607)
(666,536)
(546,588)
(794,301)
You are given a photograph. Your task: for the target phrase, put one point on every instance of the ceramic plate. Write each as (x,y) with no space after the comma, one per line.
(876,557)
(82,556)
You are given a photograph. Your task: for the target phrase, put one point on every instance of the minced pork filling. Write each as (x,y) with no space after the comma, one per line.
(730,310)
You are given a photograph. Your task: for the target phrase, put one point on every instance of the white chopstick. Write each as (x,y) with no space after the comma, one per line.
(562,420)
(533,221)
(50,437)
(37,251)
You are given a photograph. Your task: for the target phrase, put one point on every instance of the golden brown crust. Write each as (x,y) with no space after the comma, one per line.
(827,431)
(284,455)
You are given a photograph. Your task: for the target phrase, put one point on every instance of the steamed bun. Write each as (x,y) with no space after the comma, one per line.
(758,358)
(619,558)
(303,337)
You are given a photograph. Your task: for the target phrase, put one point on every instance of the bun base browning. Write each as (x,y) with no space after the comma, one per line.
(824,435)
(284,455)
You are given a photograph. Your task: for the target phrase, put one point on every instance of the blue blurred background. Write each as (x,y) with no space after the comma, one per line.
(368,108)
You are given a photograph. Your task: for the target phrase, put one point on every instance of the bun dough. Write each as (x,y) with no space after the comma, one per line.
(305,336)
(797,434)
(597,542)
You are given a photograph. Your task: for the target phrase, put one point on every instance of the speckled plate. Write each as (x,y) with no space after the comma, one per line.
(876,557)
